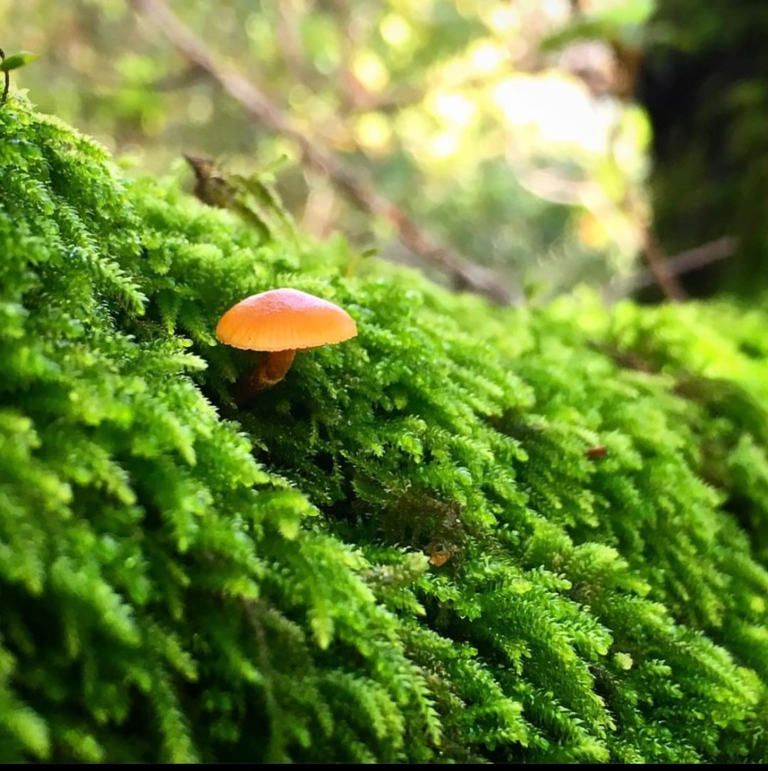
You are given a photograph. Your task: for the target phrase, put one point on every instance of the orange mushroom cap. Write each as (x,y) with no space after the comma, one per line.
(284,320)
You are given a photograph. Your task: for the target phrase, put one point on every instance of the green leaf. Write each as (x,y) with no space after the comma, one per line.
(15,61)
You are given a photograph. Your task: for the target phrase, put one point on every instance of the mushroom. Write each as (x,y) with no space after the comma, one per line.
(281,322)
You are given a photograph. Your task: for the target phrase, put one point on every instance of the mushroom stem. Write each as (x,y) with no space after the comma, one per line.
(270,372)
(273,370)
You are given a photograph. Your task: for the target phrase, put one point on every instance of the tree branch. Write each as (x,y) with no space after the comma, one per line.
(651,250)
(699,256)
(689,260)
(466,275)
(659,268)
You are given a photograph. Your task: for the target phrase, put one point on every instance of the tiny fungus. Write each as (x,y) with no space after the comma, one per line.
(595,453)
(281,322)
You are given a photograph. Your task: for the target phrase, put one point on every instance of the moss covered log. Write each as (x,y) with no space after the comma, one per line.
(469,534)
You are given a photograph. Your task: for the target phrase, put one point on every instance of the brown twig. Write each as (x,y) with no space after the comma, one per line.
(699,256)
(466,275)
(650,248)
(659,268)
(689,260)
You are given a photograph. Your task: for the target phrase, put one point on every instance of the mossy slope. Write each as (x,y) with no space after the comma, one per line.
(181,580)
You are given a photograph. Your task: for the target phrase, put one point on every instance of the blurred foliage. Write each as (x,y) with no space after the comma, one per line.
(450,108)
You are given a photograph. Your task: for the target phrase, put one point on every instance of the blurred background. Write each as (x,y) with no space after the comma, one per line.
(621,144)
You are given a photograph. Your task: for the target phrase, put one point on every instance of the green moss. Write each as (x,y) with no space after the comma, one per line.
(183,580)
